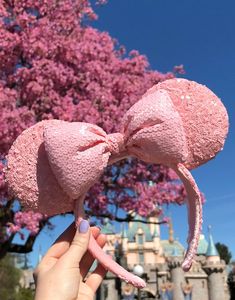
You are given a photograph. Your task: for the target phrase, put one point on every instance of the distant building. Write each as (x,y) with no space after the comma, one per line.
(141,244)
(26,279)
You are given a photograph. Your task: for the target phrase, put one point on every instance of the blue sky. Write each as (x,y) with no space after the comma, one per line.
(200,35)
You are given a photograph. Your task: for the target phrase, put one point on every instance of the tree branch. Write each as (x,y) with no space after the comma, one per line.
(128,218)
(8,246)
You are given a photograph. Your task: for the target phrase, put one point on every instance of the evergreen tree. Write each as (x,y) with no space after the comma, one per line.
(9,278)
(25,294)
(224,252)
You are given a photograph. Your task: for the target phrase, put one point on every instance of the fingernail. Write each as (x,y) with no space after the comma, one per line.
(83,226)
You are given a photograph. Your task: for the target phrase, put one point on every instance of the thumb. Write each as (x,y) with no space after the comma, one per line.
(78,246)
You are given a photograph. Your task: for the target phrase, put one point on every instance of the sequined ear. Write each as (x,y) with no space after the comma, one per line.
(29,174)
(204,118)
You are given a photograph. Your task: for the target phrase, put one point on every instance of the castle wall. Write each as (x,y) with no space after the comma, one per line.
(216,286)
(177,277)
(162,260)
(149,257)
(199,289)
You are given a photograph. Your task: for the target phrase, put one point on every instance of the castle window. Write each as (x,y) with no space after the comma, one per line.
(203,284)
(141,258)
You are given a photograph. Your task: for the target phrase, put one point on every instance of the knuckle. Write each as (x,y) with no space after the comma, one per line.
(80,243)
(37,270)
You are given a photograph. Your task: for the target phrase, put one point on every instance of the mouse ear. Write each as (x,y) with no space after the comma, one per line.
(29,175)
(204,118)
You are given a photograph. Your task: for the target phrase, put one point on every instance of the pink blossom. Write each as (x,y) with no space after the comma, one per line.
(29,220)
(166,220)
(179,69)
(52,66)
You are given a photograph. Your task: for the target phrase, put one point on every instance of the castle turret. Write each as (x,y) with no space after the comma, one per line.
(212,253)
(175,262)
(109,230)
(124,240)
(171,232)
(156,240)
(153,218)
(177,277)
(214,268)
(202,245)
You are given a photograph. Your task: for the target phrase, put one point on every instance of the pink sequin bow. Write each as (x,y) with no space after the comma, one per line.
(78,152)
(178,123)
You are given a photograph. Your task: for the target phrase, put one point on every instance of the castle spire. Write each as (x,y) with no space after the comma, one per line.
(214,268)
(155,233)
(175,252)
(124,238)
(124,232)
(171,232)
(211,249)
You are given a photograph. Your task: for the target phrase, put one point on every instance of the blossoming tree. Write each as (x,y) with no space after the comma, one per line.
(53,64)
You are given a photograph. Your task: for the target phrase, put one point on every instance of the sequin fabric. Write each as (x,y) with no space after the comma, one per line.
(178,123)
(205,119)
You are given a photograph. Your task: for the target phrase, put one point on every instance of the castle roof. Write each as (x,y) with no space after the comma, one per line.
(211,250)
(172,249)
(202,245)
(131,233)
(107,227)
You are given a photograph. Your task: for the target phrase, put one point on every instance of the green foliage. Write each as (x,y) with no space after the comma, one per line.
(9,281)
(24,294)
(9,278)
(224,252)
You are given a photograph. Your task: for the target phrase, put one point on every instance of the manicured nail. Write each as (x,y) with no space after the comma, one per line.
(83,226)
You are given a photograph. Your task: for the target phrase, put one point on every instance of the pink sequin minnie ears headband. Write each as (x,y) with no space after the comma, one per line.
(178,123)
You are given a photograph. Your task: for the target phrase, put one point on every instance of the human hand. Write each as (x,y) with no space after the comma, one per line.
(61,275)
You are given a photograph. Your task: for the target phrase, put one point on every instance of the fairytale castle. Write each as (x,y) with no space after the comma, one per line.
(140,248)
